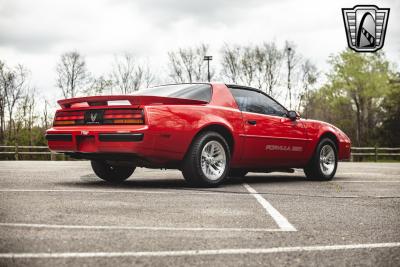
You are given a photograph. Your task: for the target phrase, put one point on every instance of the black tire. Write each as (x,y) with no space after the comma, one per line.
(192,170)
(314,170)
(237,173)
(111,173)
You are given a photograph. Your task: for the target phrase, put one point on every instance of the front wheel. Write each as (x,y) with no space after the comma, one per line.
(113,173)
(323,165)
(207,161)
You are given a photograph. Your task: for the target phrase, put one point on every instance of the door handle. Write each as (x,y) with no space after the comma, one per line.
(252,122)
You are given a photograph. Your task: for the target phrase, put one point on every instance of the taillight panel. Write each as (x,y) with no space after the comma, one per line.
(123,116)
(67,118)
(110,117)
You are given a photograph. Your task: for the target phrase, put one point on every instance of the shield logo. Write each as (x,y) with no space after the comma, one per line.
(365,27)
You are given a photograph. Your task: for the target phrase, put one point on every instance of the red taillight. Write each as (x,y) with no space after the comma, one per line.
(63,123)
(98,117)
(69,118)
(69,113)
(65,118)
(123,116)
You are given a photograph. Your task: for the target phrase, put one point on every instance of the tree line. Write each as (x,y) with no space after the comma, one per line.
(360,93)
(264,66)
(362,97)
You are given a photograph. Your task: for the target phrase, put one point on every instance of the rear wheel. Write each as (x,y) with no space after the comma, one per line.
(238,173)
(207,161)
(113,173)
(323,165)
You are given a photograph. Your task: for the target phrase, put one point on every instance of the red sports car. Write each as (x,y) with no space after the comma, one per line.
(208,131)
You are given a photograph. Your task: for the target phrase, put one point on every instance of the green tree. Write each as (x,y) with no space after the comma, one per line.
(357,83)
(389,130)
(327,104)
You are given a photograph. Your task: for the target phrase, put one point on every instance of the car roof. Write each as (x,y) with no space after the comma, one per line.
(234,86)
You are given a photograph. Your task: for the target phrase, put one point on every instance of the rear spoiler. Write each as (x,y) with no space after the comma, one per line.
(133,100)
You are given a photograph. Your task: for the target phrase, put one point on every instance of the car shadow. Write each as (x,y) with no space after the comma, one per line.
(179,184)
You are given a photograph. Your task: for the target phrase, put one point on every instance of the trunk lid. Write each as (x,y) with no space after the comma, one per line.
(111,110)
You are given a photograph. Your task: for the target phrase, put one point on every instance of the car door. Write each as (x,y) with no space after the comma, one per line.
(271,138)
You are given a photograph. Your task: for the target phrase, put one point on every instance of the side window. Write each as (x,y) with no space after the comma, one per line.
(273,108)
(252,101)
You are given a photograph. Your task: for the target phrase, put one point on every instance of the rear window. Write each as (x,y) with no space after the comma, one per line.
(187,91)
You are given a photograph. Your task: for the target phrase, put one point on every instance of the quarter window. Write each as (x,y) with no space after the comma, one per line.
(187,91)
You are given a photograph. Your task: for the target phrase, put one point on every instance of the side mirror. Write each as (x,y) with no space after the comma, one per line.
(293,115)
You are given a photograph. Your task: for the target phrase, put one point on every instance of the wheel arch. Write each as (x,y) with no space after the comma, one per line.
(312,169)
(223,130)
(331,136)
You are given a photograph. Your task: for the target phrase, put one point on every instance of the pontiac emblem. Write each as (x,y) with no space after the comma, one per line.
(93,116)
(365,27)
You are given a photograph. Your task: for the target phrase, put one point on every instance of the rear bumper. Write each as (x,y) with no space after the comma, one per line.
(59,137)
(103,139)
(123,137)
(111,140)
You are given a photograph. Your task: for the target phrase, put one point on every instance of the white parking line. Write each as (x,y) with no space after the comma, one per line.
(280,220)
(365,181)
(199,252)
(127,227)
(368,174)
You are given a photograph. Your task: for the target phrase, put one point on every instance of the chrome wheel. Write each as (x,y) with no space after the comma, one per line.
(327,160)
(213,160)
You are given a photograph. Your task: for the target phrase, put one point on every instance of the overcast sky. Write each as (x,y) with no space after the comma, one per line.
(35,33)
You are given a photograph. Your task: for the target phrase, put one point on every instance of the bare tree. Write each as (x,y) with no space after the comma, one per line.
(31,114)
(176,68)
(292,60)
(26,116)
(247,66)
(139,77)
(187,64)
(72,74)
(98,86)
(200,72)
(239,64)
(309,76)
(45,116)
(187,57)
(14,91)
(273,62)
(231,63)
(129,75)
(148,75)
(5,81)
(257,66)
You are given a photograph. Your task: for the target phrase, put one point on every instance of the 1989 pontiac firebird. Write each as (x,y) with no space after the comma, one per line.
(208,131)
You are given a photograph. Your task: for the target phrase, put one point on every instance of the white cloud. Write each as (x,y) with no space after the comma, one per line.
(35,33)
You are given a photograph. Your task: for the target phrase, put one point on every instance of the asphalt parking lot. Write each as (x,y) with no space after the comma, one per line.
(59,213)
